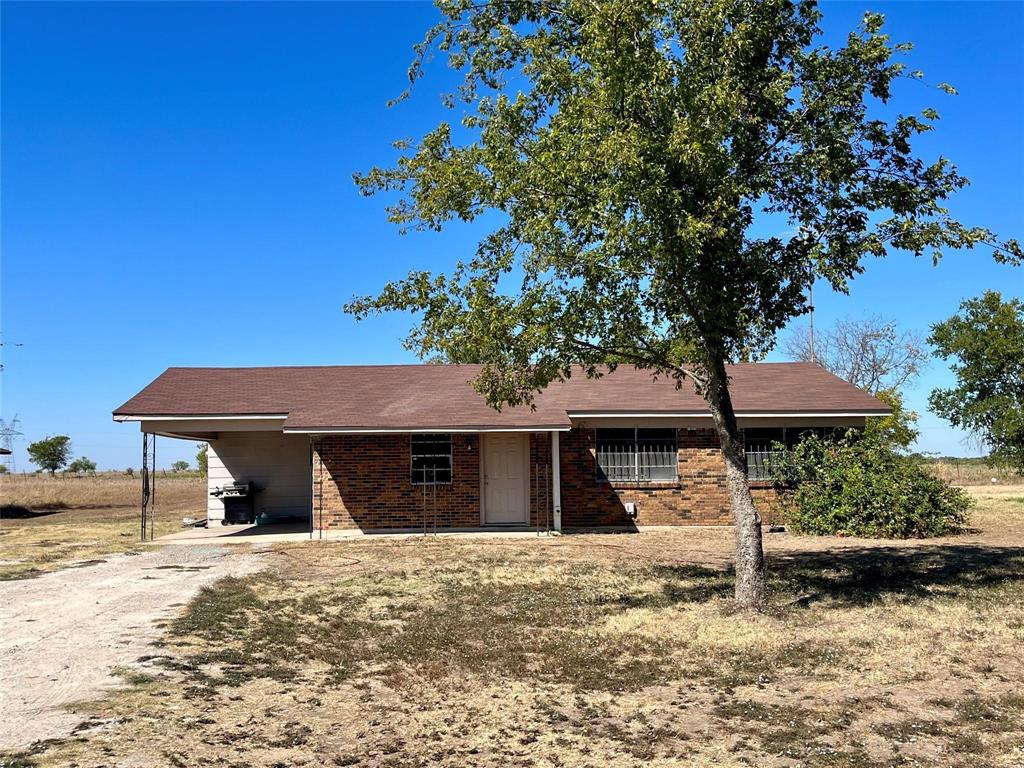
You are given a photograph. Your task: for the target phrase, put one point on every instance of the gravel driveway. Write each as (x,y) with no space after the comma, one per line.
(63,633)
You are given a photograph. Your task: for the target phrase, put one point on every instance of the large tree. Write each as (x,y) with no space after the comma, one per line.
(634,154)
(985,344)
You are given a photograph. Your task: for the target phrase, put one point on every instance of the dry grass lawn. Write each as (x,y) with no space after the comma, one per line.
(54,522)
(973,472)
(596,650)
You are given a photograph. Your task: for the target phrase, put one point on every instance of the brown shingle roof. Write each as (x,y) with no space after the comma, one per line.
(441,397)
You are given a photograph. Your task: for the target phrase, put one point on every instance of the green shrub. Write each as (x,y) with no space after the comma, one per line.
(859,485)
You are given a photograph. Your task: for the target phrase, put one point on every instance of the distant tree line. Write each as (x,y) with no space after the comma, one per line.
(52,454)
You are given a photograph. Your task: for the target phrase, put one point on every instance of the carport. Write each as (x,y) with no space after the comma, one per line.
(245,450)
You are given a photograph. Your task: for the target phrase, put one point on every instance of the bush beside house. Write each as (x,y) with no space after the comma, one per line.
(860,485)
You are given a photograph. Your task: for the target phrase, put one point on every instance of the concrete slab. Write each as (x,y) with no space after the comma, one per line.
(273,534)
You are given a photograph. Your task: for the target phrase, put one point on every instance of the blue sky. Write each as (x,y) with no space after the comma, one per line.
(158,155)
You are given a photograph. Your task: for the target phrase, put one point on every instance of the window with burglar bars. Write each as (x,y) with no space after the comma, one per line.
(766,446)
(637,455)
(431,459)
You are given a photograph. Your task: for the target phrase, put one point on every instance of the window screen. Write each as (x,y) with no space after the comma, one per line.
(636,454)
(431,459)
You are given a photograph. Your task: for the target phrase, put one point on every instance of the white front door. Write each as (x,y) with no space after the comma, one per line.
(505,479)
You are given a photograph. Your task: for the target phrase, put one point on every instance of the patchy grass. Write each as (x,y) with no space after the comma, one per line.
(49,523)
(588,651)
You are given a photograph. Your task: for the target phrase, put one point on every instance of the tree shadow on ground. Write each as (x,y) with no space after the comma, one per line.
(18,512)
(863,575)
(847,577)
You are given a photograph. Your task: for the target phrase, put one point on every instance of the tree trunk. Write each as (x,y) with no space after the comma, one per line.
(751,589)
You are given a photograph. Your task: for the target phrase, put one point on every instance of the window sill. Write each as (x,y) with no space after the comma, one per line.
(641,484)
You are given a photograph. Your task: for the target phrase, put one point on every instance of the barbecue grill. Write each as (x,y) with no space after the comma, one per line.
(239,502)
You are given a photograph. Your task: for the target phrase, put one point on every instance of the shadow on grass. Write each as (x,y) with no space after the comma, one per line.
(846,577)
(861,576)
(18,512)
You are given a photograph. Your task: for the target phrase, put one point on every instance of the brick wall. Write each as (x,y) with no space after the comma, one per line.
(363,481)
(541,508)
(698,498)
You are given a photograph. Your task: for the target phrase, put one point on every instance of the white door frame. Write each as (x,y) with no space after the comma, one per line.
(525,440)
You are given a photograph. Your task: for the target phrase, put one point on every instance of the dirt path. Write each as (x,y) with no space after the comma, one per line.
(62,634)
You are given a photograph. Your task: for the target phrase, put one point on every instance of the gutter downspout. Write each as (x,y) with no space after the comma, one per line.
(556,482)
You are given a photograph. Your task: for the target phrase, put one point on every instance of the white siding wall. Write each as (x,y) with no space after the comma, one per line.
(276,463)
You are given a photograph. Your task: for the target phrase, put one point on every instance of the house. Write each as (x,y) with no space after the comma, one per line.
(396,447)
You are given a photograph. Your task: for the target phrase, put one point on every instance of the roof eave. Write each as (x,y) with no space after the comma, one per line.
(121,417)
(437,428)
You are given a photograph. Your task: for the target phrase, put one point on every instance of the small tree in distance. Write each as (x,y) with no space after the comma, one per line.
(82,466)
(179,466)
(51,453)
(624,155)
(872,353)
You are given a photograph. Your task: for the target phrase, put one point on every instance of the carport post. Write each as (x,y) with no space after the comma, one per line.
(148,486)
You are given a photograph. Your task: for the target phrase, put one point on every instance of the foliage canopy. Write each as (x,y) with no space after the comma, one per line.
(985,343)
(859,485)
(662,182)
(629,148)
(82,466)
(50,453)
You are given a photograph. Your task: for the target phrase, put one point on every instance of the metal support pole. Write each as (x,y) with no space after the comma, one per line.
(320,528)
(152,495)
(143,526)
(312,450)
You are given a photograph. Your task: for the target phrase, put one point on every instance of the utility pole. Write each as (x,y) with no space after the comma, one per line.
(8,429)
(810,301)
(8,432)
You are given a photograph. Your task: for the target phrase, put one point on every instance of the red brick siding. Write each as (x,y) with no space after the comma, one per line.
(767,503)
(698,498)
(363,481)
(541,509)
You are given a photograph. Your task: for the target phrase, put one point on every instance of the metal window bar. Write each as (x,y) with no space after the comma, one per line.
(430,459)
(760,464)
(638,461)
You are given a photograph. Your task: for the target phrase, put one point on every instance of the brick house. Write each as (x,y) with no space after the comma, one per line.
(406,446)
